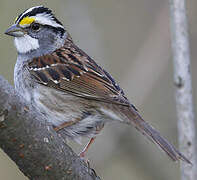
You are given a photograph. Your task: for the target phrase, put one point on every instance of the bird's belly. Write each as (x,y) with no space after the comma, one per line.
(60,108)
(57,106)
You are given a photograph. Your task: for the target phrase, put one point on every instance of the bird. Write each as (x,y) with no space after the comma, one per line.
(76,95)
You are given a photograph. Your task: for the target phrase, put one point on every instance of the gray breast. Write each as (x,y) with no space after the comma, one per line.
(22,80)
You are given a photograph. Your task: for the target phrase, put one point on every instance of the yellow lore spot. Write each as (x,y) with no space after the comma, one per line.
(26,21)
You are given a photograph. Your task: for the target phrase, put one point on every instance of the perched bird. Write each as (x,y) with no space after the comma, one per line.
(75,94)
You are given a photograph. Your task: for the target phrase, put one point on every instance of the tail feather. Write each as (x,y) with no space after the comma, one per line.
(154,135)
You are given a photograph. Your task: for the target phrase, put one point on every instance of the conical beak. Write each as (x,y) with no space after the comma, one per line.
(15,31)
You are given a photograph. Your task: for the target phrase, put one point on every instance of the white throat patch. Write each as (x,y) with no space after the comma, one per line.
(26,43)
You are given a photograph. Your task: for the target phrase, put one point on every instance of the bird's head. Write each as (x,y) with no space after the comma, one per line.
(37,30)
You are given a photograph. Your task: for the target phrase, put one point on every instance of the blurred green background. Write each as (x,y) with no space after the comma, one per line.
(130,39)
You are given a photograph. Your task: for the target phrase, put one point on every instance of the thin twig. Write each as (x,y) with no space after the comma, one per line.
(183,84)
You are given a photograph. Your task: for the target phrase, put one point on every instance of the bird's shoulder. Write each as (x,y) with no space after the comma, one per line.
(71,70)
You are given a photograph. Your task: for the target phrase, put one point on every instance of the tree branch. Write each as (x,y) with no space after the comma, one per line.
(32,143)
(183,83)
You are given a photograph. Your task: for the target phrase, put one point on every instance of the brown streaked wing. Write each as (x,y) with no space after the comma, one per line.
(76,73)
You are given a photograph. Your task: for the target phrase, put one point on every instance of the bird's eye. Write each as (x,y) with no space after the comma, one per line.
(35,27)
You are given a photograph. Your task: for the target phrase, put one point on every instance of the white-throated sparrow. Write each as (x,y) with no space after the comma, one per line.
(63,82)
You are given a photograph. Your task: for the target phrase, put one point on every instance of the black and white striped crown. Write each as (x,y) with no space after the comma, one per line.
(39,14)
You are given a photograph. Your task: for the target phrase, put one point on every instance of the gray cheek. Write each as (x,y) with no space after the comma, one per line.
(51,39)
(46,40)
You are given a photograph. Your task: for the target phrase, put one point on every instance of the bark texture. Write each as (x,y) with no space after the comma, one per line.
(33,145)
(183,84)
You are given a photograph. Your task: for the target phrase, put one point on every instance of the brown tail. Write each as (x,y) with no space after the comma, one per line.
(154,135)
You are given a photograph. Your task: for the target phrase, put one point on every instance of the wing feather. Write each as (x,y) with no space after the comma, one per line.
(70,70)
